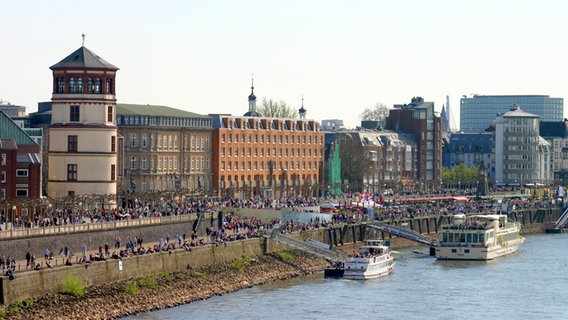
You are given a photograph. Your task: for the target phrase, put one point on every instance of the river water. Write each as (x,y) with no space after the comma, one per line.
(531,284)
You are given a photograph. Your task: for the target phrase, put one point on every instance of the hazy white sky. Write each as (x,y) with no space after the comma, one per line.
(342,56)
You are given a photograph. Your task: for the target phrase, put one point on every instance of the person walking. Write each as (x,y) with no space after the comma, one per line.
(84,250)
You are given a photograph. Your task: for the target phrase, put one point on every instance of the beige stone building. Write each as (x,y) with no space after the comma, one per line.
(163,148)
(82,141)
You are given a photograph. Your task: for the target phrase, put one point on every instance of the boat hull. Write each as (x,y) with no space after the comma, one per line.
(476,253)
(359,271)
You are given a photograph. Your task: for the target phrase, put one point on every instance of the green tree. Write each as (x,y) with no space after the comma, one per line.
(276,109)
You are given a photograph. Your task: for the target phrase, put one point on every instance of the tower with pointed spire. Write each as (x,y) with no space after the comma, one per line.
(445,122)
(82,154)
(252,103)
(302,110)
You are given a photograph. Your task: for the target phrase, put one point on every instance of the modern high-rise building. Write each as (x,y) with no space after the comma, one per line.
(478,112)
(419,118)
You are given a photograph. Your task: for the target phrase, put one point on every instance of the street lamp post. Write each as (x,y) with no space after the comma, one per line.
(13,215)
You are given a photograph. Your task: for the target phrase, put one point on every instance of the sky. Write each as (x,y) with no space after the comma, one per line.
(340,56)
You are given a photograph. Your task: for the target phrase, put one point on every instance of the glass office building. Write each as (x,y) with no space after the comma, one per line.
(477,113)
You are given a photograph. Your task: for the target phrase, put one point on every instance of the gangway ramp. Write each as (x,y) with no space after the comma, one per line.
(403,233)
(561,222)
(330,255)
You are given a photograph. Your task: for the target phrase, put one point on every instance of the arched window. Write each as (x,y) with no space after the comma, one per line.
(134,140)
(144,140)
(144,163)
(133,163)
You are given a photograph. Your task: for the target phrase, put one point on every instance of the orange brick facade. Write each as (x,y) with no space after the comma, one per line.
(267,157)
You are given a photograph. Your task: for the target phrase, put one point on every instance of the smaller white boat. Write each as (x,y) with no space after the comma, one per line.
(372,260)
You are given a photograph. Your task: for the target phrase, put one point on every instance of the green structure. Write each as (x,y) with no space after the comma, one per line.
(332,166)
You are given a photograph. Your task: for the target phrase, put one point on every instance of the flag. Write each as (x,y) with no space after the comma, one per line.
(177,181)
(132,184)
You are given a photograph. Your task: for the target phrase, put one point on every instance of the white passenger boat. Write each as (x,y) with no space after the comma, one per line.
(372,260)
(479,237)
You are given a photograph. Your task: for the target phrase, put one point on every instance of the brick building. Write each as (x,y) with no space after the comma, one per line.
(419,118)
(266,157)
(20,169)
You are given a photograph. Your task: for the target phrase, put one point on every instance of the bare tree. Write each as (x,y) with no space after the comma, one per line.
(273,109)
(354,162)
(379,112)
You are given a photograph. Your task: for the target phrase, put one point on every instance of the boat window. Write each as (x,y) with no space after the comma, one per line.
(462,237)
(481,238)
(444,237)
(468,238)
(475,238)
(466,251)
(454,250)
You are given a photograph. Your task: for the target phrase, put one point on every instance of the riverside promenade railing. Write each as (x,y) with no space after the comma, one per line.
(97,226)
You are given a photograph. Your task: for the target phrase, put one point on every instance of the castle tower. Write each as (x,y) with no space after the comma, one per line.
(82,148)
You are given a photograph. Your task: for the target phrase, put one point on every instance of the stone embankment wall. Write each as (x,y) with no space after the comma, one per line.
(38,283)
(17,246)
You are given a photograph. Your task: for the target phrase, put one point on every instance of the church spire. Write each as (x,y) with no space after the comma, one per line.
(252,98)
(302,110)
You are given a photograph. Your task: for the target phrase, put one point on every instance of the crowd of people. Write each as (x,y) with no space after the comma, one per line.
(236,227)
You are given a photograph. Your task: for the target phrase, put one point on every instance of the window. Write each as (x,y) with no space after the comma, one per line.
(110,114)
(134,140)
(21,193)
(3,159)
(90,86)
(72,143)
(144,141)
(133,163)
(71,85)
(72,172)
(60,85)
(21,172)
(113,144)
(98,85)
(108,86)
(74,114)
(112,172)
(79,88)
(2,176)
(144,163)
